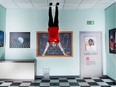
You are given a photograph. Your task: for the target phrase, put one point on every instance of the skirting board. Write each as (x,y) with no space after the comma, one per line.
(68,76)
(112,79)
(58,76)
(75,76)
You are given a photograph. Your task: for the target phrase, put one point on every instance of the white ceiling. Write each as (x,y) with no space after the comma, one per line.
(64,4)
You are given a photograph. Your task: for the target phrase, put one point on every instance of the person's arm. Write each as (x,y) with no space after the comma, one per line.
(60,46)
(46,48)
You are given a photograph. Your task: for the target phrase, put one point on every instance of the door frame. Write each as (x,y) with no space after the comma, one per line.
(101,34)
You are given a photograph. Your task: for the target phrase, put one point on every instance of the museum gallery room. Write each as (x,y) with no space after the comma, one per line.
(57,43)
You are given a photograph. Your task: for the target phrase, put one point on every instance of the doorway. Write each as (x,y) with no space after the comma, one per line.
(91,54)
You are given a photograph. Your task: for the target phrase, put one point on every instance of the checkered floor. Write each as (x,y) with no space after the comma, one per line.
(62,82)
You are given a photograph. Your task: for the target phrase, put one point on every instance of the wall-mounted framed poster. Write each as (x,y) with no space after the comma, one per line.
(19,39)
(66,40)
(1,38)
(112,41)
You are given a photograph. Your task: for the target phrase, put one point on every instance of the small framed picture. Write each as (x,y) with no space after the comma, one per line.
(90,43)
(112,41)
(19,39)
(1,38)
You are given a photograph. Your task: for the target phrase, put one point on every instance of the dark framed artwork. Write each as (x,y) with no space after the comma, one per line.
(66,39)
(112,41)
(1,38)
(19,39)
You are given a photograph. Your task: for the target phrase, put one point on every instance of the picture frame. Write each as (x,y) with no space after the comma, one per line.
(19,39)
(90,43)
(66,40)
(1,38)
(112,41)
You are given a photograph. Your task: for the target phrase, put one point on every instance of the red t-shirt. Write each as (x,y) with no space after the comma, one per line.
(53,34)
(112,45)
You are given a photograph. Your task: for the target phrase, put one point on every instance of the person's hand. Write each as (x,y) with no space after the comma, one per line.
(43,54)
(65,54)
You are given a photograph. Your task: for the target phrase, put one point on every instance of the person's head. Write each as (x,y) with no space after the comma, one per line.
(54,44)
(111,36)
(91,42)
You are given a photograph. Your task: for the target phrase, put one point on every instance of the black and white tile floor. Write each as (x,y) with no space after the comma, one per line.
(62,82)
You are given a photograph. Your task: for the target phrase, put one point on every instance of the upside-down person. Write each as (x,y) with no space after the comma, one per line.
(53,31)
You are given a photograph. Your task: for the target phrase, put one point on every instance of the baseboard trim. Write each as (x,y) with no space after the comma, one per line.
(58,77)
(112,79)
(105,76)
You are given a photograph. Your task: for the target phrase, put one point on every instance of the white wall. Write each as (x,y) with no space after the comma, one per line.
(32,20)
(110,23)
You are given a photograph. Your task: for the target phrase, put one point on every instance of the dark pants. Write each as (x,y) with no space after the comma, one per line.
(52,23)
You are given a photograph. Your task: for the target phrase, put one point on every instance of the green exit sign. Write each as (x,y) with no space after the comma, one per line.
(90,22)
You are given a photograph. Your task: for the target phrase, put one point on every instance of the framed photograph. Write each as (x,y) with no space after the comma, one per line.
(1,38)
(19,39)
(65,40)
(90,43)
(112,41)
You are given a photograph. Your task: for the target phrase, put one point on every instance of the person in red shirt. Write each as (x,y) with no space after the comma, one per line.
(53,30)
(112,43)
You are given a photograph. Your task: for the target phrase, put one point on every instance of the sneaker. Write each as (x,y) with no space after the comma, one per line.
(57,3)
(50,4)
